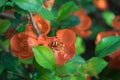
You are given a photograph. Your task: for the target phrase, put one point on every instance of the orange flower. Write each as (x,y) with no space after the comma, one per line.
(102,35)
(101,4)
(85,23)
(114,60)
(21,45)
(116,22)
(48,3)
(42,24)
(62,45)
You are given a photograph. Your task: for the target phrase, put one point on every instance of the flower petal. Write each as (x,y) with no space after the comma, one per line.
(44,40)
(25,55)
(48,3)
(42,24)
(66,36)
(69,51)
(60,60)
(116,22)
(14,43)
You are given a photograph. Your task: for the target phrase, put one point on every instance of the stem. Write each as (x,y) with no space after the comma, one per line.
(8,16)
(20,75)
(34,25)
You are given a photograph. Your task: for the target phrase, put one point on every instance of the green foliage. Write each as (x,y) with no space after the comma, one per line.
(93,66)
(71,21)
(44,57)
(80,48)
(66,9)
(45,14)
(107,19)
(29,5)
(4,25)
(21,28)
(11,64)
(107,46)
(1,68)
(2,2)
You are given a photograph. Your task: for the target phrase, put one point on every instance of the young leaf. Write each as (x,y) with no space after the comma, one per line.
(70,22)
(66,9)
(45,14)
(29,5)
(21,28)
(99,64)
(44,57)
(107,46)
(80,48)
(109,19)
(4,25)
(93,66)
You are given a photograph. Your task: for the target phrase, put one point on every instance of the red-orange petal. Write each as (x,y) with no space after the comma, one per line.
(66,36)
(101,4)
(25,55)
(83,34)
(116,22)
(114,60)
(44,40)
(69,52)
(60,60)
(21,45)
(48,3)
(79,13)
(14,42)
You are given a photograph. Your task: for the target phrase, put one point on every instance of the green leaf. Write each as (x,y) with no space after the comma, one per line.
(80,48)
(4,25)
(70,22)
(48,15)
(10,63)
(71,66)
(109,19)
(29,5)
(21,28)
(66,9)
(2,2)
(5,43)
(107,46)
(44,57)
(98,64)
(93,66)
(1,68)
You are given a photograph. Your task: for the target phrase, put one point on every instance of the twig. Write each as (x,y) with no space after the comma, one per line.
(8,16)
(20,75)
(34,25)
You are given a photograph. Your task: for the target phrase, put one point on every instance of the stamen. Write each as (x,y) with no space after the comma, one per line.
(57,46)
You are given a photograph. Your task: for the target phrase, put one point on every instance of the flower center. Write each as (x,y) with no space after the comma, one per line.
(57,46)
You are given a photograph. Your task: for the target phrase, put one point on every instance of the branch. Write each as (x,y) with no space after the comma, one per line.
(8,16)
(20,75)
(34,25)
